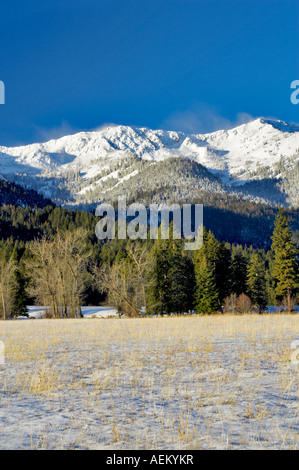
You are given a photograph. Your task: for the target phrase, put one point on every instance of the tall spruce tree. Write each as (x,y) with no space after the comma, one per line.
(158,286)
(171,277)
(239,271)
(218,260)
(223,272)
(256,282)
(206,294)
(181,277)
(285,263)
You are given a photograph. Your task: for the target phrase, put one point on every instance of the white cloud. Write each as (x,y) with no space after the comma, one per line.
(202,118)
(44,134)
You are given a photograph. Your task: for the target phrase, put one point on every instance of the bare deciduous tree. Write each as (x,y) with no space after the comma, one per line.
(125,281)
(141,261)
(244,304)
(43,285)
(116,281)
(230,303)
(72,260)
(7,286)
(58,272)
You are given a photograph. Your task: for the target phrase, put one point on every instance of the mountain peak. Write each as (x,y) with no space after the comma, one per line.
(262,149)
(281,125)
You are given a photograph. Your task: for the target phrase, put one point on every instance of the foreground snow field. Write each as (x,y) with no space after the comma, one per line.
(221,382)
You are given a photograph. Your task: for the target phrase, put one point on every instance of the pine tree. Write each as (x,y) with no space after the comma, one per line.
(285,264)
(223,272)
(171,278)
(270,281)
(239,272)
(181,278)
(158,289)
(256,282)
(218,258)
(209,249)
(20,297)
(206,294)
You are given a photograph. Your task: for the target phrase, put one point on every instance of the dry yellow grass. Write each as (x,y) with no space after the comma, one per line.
(181,382)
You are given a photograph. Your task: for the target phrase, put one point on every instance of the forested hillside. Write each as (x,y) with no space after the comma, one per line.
(24,215)
(14,194)
(51,256)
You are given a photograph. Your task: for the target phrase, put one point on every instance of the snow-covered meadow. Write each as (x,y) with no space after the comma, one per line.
(34,311)
(219,382)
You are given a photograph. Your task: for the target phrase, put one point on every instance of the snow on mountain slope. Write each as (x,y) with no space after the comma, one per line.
(254,151)
(258,143)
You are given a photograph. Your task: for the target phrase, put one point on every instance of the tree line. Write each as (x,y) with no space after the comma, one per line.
(26,215)
(67,267)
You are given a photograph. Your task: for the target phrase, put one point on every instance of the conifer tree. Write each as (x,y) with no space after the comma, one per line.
(181,278)
(239,272)
(158,289)
(19,298)
(206,294)
(270,281)
(171,278)
(217,257)
(285,264)
(256,282)
(223,272)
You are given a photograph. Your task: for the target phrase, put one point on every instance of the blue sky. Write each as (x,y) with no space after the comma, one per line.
(192,65)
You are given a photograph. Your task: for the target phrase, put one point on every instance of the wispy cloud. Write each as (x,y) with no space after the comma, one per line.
(202,118)
(104,125)
(44,134)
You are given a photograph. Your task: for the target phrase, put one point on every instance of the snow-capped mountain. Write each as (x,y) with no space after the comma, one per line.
(257,160)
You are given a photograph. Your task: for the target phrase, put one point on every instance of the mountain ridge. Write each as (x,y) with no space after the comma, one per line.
(258,160)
